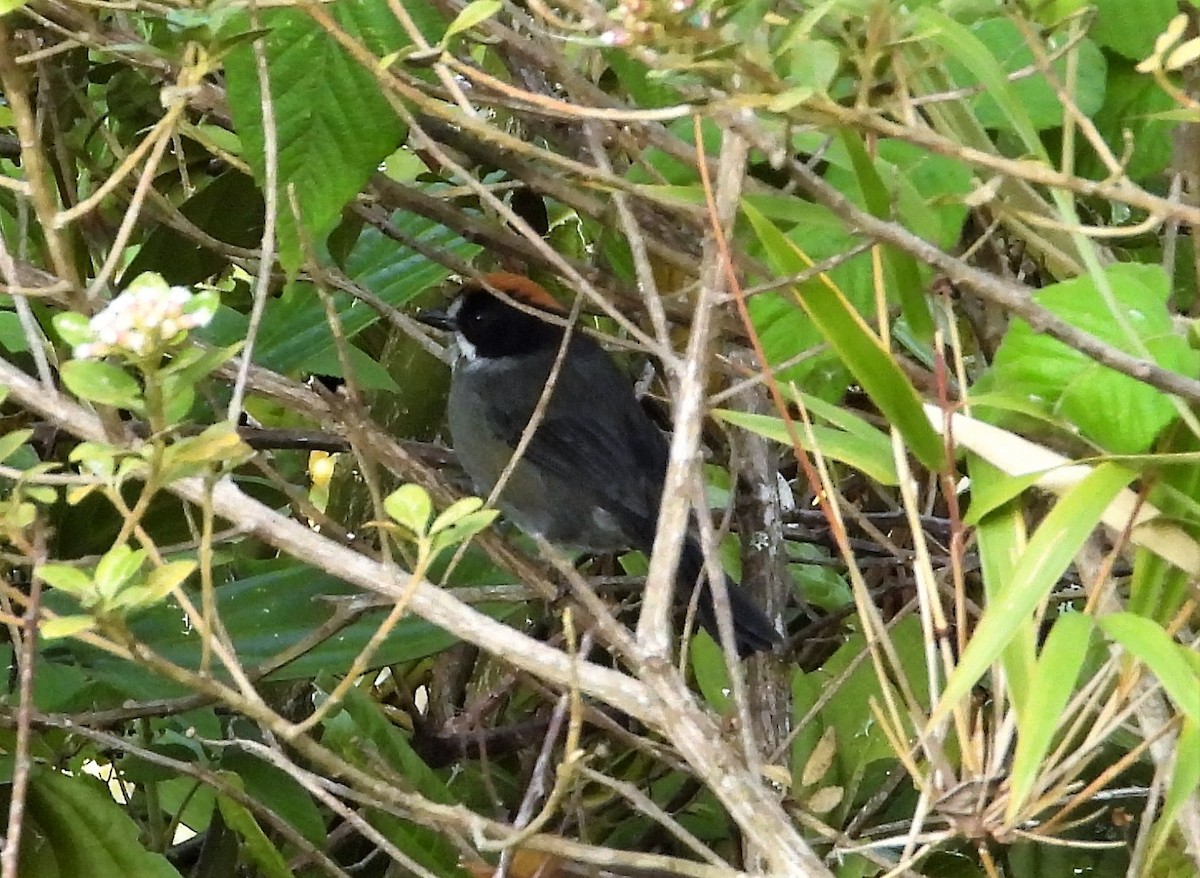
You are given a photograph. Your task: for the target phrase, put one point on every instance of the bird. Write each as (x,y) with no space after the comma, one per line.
(591,476)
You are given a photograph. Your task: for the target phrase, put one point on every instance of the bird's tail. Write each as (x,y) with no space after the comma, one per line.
(752,630)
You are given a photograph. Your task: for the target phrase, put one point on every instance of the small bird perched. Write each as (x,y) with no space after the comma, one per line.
(592,473)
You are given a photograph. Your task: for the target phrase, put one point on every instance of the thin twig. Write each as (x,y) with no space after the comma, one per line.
(262,283)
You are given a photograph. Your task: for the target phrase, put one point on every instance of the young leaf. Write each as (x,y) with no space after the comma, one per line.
(463,529)
(102,382)
(65,626)
(219,444)
(10,442)
(163,580)
(118,566)
(473,13)
(410,506)
(65,578)
(454,512)
(73,328)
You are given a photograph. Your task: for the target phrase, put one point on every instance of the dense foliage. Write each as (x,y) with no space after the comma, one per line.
(914,283)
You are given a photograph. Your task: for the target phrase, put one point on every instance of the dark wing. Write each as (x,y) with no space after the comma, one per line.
(584,442)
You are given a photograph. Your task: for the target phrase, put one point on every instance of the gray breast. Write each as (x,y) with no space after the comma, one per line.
(533,500)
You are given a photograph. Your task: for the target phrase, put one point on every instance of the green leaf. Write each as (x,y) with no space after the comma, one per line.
(1034,94)
(295,329)
(1002,538)
(811,63)
(991,494)
(116,568)
(821,585)
(929,191)
(371,725)
(1116,411)
(969,50)
(12,441)
(712,676)
(1185,780)
(1053,12)
(862,742)
(859,348)
(72,327)
(1158,589)
(334,124)
(369,374)
(789,337)
(1128,125)
(842,418)
(22,516)
(806,690)
(1042,563)
(472,14)
(463,529)
(178,399)
(638,80)
(271,609)
(160,583)
(102,382)
(163,580)
(95,458)
(65,578)
(12,334)
(1148,642)
(191,803)
(265,855)
(219,445)
(1040,710)
(454,512)
(871,456)
(88,833)
(905,276)
(277,790)
(410,506)
(192,364)
(43,494)
(1130,29)
(230,209)
(65,626)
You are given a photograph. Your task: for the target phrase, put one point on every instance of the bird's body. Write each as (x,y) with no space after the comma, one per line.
(592,473)
(568,457)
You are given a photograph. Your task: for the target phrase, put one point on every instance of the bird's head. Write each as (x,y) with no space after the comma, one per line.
(487,326)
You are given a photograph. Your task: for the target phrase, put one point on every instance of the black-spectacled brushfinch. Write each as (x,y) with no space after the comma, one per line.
(592,474)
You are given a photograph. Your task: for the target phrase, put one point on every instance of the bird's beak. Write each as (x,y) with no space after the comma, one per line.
(438,319)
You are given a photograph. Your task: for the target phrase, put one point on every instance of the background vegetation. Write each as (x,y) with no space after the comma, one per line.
(916,283)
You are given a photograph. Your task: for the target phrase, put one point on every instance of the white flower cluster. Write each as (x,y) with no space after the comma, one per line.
(147,316)
(649,21)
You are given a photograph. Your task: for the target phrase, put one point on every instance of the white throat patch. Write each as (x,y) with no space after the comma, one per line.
(466,350)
